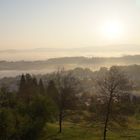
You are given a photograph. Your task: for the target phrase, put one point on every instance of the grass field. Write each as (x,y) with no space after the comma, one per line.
(73,131)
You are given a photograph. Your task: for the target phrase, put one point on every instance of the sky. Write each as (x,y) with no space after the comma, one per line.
(31,24)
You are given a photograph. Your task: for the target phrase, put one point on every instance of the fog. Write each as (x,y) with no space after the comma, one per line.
(13,73)
(44,55)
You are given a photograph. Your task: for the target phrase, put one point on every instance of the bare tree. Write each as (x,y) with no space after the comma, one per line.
(66,93)
(111,87)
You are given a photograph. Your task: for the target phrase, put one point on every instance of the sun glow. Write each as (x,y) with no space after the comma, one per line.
(112,29)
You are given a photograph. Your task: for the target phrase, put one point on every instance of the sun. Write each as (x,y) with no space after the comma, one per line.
(112,29)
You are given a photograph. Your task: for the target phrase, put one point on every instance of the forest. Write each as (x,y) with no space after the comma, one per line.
(72,105)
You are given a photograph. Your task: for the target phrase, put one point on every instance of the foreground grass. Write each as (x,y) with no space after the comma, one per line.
(73,131)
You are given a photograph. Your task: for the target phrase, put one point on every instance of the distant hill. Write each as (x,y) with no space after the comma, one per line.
(93,63)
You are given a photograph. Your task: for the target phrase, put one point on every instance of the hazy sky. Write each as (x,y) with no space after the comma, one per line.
(28,24)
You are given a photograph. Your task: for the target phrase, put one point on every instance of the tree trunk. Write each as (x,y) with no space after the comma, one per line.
(60,122)
(107,116)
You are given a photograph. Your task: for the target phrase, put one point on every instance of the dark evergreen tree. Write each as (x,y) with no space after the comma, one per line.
(22,84)
(41,87)
(52,90)
(28,87)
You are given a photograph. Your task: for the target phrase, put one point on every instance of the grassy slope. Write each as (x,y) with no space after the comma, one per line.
(80,132)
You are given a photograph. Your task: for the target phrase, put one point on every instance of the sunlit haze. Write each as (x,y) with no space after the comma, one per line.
(113,30)
(85,27)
